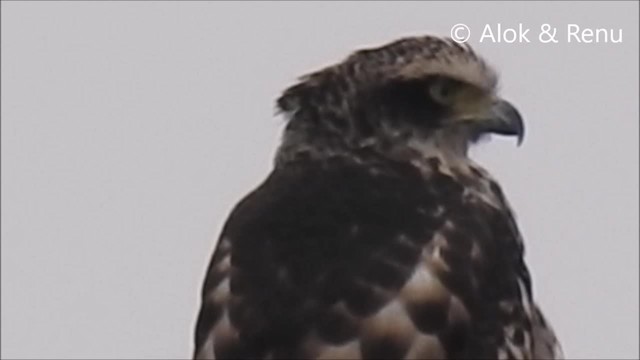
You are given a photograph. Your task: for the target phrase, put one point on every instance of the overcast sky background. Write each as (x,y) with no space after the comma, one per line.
(129,131)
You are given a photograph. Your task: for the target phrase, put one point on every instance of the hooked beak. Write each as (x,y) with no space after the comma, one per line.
(503,119)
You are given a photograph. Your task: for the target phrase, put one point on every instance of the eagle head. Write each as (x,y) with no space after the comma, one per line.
(413,89)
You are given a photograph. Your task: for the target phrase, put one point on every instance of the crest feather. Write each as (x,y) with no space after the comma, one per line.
(404,59)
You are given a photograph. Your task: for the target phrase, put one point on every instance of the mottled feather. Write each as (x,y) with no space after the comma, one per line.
(375,236)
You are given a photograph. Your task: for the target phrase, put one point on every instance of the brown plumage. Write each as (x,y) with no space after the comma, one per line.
(375,236)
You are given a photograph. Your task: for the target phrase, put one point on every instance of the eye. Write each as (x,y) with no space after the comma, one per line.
(443,91)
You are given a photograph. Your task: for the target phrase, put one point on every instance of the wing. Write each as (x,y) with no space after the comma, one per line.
(313,251)
(343,259)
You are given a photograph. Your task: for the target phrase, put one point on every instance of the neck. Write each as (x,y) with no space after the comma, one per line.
(450,146)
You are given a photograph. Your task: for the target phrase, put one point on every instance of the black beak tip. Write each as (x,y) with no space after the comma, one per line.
(520,138)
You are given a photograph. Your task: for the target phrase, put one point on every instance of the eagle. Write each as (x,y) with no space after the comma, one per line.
(375,236)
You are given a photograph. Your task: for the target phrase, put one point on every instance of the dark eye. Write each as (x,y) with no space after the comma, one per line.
(443,91)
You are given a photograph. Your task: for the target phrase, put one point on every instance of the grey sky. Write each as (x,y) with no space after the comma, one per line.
(130,129)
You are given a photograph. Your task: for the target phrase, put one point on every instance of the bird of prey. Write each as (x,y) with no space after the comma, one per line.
(376,236)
